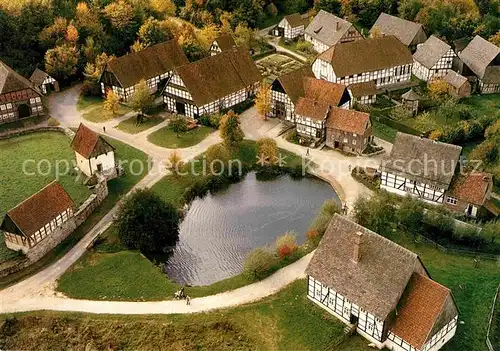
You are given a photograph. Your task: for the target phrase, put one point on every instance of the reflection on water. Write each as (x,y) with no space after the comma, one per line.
(221,229)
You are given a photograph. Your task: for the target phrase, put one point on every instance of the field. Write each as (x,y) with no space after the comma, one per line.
(275,65)
(117,188)
(287,320)
(130,126)
(164,137)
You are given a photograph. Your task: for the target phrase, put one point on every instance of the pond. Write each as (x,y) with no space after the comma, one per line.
(220,229)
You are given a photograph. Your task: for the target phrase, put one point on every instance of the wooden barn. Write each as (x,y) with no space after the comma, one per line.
(153,64)
(380,289)
(383,60)
(433,59)
(458,85)
(290,27)
(18,97)
(93,153)
(37,217)
(212,84)
(44,82)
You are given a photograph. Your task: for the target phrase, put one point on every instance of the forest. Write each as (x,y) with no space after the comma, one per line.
(71,38)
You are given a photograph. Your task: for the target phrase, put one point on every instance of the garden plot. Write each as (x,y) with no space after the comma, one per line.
(275,65)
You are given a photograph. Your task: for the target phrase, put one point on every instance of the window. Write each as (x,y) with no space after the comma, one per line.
(353,142)
(451,200)
(345,140)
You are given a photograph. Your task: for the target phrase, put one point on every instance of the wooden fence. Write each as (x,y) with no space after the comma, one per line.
(492,315)
(440,247)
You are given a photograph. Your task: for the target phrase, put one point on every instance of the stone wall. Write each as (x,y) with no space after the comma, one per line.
(28,130)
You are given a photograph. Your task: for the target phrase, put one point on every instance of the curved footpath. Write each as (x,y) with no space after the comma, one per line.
(37,293)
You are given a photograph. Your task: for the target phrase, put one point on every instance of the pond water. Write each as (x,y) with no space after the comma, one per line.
(220,229)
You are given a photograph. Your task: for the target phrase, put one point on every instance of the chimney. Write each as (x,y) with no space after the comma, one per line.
(337,26)
(356,255)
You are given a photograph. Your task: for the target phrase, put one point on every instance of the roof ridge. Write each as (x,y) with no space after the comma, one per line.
(431,140)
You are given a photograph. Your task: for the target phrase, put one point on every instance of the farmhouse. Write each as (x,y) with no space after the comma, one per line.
(420,167)
(153,64)
(458,85)
(409,33)
(43,82)
(93,154)
(18,97)
(433,59)
(290,27)
(380,289)
(223,42)
(482,59)
(470,194)
(326,30)
(314,96)
(363,93)
(37,217)
(383,60)
(212,84)
(348,130)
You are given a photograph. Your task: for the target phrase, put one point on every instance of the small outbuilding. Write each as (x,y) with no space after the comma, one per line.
(348,130)
(94,154)
(290,27)
(44,82)
(410,100)
(458,85)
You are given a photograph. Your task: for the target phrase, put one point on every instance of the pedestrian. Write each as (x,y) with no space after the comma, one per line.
(188,300)
(104,129)
(307,152)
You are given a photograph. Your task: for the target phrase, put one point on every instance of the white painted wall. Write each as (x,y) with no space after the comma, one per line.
(89,167)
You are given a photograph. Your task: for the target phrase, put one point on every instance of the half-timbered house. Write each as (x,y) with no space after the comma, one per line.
(458,85)
(419,167)
(43,81)
(380,289)
(433,59)
(290,27)
(37,217)
(363,93)
(212,84)
(93,153)
(409,33)
(470,194)
(223,42)
(348,130)
(383,60)
(314,96)
(18,97)
(326,30)
(481,59)
(153,64)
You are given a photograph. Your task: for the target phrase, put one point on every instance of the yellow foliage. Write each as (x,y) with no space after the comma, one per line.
(112,102)
(175,162)
(263,101)
(71,33)
(438,89)
(495,39)
(436,134)
(165,7)
(267,151)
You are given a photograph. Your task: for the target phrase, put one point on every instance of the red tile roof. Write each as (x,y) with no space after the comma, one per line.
(323,91)
(86,142)
(311,108)
(472,188)
(348,120)
(421,309)
(40,208)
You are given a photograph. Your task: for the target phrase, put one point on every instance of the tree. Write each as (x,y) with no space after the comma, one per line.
(375,32)
(112,102)
(137,46)
(230,130)
(286,244)
(495,38)
(486,152)
(175,162)
(491,231)
(263,101)
(141,99)
(61,61)
(152,32)
(119,13)
(55,33)
(408,9)
(164,7)
(217,157)
(258,263)
(324,217)
(71,34)
(272,10)
(332,6)
(267,151)
(147,223)
(438,90)
(410,214)
(178,124)
(243,35)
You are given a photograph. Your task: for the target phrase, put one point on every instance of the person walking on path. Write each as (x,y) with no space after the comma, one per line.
(307,152)
(188,300)
(104,129)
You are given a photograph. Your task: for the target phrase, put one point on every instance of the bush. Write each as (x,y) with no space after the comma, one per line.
(259,263)
(211,121)
(52,122)
(410,214)
(286,244)
(305,47)
(312,234)
(487,152)
(326,212)
(439,224)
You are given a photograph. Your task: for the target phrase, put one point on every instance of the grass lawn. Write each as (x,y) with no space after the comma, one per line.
(383,131)
(130,125)
(117,188)
(98,114)
(285,321)
(88,101)
(485,104)
(164,137)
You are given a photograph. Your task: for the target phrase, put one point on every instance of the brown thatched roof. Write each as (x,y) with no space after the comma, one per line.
(148,63)
(225,41)
(363,89)
(294,20)
(11,81)
(293,82)
(90,144)
(404,30)
(368,55)
(350,121)
(376,282)
(425,308)
(39,209)
(422,159)
(215,77)
(455,79)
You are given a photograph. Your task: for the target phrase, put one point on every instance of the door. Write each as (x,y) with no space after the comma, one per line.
(99,168)
(280,110)
(336,144)
(180,107)
(353,319)
(24,111)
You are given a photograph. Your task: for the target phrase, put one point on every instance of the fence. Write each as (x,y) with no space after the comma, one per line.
(492,315)
(459,251)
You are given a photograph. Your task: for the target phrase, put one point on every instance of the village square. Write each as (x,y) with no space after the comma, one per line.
(323,179)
